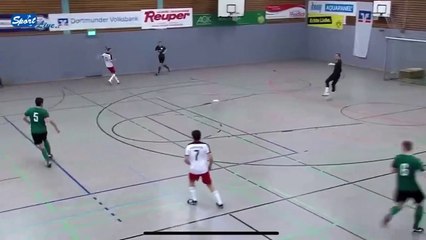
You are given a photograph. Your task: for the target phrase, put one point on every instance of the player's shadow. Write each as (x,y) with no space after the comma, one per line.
(416,236)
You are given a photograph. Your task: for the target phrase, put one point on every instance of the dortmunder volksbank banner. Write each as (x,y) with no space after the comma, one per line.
(95,20)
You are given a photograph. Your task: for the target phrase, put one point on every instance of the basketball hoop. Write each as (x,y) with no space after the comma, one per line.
(377,16)
(231,9)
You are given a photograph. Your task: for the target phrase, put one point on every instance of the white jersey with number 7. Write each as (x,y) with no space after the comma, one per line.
(198,154)
(107,59)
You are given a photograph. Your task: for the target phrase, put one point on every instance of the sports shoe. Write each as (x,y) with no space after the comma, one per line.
(386,220)
(219,205)
(48,164)
(326,92)
(192,202)
(418,230)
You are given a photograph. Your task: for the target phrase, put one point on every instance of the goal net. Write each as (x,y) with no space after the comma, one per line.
(405,60)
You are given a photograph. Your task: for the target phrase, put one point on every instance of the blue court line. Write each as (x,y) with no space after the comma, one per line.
(92,194)
(43,203)
(110,190)
(57,164)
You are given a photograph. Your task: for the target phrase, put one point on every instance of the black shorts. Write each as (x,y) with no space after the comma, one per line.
(161,58)
(403,196)
(39,138)
(333,77)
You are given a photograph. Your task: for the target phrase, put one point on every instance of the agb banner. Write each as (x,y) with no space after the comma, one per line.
(249,18)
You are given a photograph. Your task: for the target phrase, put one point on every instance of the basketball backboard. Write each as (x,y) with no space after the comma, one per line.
(231,8)
(382,9)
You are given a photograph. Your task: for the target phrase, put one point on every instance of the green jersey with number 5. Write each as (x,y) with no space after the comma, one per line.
(37,116)
(406,167)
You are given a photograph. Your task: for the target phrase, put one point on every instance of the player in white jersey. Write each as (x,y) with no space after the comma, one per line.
(107,56)
(200,160)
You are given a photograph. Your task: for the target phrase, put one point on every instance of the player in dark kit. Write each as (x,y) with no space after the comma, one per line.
(161,56)
(406,165)
(38,117)
(335,76)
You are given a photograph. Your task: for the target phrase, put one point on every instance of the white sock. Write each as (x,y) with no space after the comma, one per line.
(116,78)
(193,193)
(217,196)
(110,79)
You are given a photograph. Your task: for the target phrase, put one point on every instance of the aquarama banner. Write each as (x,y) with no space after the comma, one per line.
(363,28)
(285,11)
(95,20)
(167,18)
(333,7)
(326,21)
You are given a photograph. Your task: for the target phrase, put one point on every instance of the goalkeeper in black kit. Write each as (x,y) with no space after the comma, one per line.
(161,57)
(335,76)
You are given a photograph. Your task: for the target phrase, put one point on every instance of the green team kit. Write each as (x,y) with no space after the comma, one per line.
(37,116)
(406,167)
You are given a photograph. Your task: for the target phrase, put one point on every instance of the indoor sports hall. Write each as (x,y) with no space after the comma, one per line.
(289,163)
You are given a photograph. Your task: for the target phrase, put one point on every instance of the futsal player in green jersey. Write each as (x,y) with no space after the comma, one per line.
(37,117)
(405,166)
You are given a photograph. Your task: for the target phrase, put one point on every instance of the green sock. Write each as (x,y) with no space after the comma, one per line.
(395,210)
(418,216)
(47,146)
(45,154)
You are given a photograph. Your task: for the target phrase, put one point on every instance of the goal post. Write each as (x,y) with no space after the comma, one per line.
(405,59)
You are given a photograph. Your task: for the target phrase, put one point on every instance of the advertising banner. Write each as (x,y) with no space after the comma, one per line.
(333,7)
(167,18)
(24,22)
(95,20)
(249,18)
(285,11)
(326,21)
(363,28)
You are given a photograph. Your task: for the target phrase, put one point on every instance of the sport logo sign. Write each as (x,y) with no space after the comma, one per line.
(30,21)
(24,20)
(167,18)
